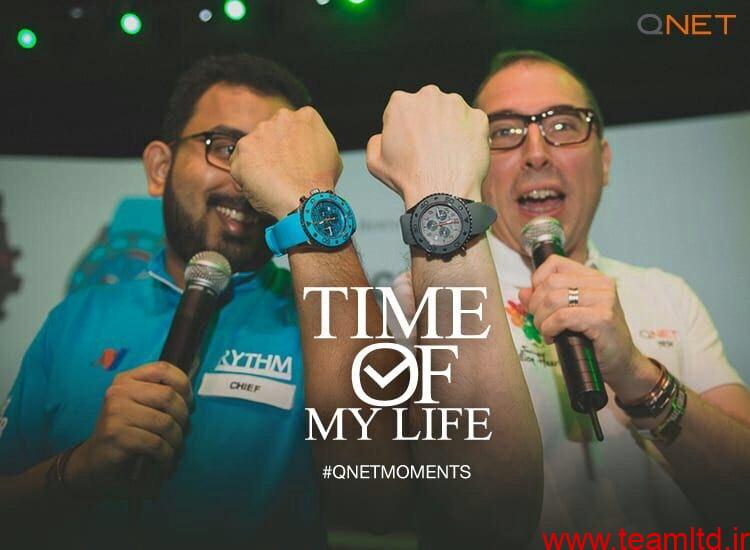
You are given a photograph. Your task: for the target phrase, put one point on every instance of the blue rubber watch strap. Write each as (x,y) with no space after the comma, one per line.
(285,234)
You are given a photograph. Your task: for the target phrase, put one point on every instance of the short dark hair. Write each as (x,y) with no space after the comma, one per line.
(506,58)
(261,75)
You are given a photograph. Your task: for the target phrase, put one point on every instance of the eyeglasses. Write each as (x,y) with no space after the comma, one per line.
(219,147)
(559,127)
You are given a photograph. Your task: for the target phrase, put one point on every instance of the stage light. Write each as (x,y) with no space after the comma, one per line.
(356,1)
(235,9)
(76,12)
(26,39)
(322,2)
(130,23)
(205,15)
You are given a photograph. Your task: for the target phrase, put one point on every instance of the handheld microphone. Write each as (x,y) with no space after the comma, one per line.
(542,237)
(206,276)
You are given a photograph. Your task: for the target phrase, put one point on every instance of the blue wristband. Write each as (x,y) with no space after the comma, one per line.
(285,234)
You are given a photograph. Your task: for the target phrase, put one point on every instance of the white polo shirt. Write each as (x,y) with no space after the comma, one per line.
(622,482)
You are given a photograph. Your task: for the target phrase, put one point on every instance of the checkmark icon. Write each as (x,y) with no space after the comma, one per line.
(389,377)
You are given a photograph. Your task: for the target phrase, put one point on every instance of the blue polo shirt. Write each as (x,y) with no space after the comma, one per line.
(246,470)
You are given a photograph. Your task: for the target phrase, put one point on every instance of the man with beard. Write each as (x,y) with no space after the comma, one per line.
(89,397)
(234,455)
(677,424)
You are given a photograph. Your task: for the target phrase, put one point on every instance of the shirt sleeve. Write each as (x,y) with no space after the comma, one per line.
(23,421)
(705,365)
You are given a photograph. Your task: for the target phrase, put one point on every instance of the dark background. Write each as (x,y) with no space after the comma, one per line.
(89,89)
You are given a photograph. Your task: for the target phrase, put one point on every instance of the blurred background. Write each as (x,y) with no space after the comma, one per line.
(100,71)
(84,84)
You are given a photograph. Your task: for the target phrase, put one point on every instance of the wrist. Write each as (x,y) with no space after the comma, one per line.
(647,423)
(412,198)
(640,377)
(292,200)
(285,206)
(75,475)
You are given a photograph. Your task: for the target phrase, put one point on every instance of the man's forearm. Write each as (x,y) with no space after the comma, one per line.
(26,494)
(25,489)
(505,490)
(711,461)
(328,362)
(328,385)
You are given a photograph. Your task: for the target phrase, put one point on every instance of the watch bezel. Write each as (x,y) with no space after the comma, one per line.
(454,203)
(316,237)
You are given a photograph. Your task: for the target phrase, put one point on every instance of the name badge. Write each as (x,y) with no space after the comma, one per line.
(249,388)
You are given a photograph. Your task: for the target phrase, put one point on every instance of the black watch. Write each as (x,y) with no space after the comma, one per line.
(441,224)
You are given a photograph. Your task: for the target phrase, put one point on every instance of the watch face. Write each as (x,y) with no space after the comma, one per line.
(440,225)
(328,220)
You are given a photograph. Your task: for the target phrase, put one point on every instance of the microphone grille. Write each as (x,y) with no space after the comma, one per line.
(208,269)
(542,229)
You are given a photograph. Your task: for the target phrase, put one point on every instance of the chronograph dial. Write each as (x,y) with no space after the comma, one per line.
(327,219)
(323,219)
(442,224)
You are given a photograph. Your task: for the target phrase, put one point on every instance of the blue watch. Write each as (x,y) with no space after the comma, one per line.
(323,219)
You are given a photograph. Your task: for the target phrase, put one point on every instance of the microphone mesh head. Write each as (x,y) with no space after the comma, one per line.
(208,269)
(542,229)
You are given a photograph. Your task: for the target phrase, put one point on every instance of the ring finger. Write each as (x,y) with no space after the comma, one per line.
(558,298)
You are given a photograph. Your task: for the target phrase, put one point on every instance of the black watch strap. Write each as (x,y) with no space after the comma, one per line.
(406,233)
(482,217)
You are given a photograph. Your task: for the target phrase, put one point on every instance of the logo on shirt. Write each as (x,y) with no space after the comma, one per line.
(271,365)
(523,320)
(111,358)
(3,418)
(535,353)
(665,337)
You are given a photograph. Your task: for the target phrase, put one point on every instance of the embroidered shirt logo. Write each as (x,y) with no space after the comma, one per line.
(535,353)
(271,365)
(524,320)
(665,337)
(111,358)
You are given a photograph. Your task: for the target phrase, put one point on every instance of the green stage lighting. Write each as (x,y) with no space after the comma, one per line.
(26,39)
(130,23)
(235,9)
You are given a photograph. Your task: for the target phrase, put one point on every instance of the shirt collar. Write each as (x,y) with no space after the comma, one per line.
(157,269)
(511,267)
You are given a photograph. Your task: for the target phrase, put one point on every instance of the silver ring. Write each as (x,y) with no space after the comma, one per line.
(573,296)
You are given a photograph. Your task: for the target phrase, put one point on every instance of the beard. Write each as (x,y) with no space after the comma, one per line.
(187,236)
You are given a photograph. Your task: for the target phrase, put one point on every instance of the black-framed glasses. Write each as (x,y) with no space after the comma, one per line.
(219,147)
(559,126)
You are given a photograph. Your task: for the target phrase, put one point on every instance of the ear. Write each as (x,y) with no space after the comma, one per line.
(157,159)
(606,160)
